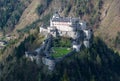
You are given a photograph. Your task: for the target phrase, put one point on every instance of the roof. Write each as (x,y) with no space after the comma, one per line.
(57,18)
(61,19)
(65,19)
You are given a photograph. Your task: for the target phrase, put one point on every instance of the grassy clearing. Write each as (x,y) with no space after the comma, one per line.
(60,51)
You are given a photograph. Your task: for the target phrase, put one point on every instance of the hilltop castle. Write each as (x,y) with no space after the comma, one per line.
(68,27)
(64,27)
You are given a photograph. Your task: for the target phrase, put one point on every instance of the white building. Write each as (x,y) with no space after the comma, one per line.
(64,26)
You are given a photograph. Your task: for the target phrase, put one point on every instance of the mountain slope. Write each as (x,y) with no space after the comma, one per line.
(98,63)
(110,23)
(10,13)
(92,11)
(29,15)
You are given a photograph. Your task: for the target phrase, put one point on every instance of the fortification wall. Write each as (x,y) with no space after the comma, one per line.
(43,31)
(71,34)
(49,62)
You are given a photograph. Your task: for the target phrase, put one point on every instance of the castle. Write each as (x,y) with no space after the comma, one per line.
(64,27)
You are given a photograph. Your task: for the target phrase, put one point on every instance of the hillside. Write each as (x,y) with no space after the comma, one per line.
(29,15)
(43,8)
(103,15)
(10,13)
(99,63)
(110,21)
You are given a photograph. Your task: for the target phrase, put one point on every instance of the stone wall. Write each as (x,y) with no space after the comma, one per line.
(87,33)
(86,43)
(71,34)
(49,62)
(43,31)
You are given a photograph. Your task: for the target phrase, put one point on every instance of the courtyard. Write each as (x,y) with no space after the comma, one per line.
(60,51)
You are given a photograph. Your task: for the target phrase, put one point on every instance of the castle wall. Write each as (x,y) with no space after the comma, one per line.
(43,31)
(71,34)
(87,33)
(77,47)
(49,62)
(31,57)
(83,25)
(86,43)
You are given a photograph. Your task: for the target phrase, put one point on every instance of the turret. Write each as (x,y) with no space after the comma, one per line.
(83,25)
(56,15)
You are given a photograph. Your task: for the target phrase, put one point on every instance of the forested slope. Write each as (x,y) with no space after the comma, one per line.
(100,14)
(109,26)
(98,63)
(10,12)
